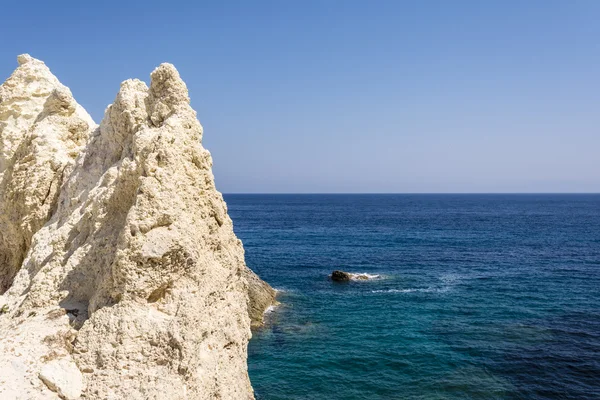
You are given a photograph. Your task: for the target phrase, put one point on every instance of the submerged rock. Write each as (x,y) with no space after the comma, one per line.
(340,276)
(118,260)
(261,297)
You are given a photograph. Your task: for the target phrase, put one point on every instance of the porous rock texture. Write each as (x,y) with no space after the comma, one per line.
(120,274)
(42,130)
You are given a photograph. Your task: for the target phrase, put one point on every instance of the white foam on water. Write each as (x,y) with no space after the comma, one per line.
(414,290)
(270,309)
(364,276)
(450,278)
(448,282)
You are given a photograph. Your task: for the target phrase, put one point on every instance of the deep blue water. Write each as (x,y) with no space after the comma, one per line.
(481,296)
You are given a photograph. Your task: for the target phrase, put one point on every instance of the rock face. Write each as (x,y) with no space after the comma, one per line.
(42,130)
(119,268)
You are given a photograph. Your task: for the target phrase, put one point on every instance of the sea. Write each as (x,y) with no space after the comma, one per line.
(491,296)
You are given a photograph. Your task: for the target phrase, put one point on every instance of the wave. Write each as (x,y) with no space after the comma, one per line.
(284,290)
(270,309)
(414,290)
(364,276)
(448,282)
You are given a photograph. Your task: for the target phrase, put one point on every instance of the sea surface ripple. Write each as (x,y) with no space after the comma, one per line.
(478,296)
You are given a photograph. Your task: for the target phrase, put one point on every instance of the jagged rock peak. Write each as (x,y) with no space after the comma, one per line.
(168,94)
(24,101)
(122,276)
(165,83)
(25,58)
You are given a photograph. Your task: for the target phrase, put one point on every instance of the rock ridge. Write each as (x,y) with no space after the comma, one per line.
(120,273)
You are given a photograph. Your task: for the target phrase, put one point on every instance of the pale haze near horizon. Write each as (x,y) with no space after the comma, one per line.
(342,96)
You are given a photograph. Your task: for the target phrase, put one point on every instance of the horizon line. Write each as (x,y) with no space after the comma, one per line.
(410,193)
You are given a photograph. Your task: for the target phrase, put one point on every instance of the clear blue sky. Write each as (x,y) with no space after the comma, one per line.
(349,96)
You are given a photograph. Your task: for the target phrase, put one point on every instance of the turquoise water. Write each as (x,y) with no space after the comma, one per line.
(479,296)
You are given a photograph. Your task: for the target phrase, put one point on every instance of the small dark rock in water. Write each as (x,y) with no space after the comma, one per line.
(340,276)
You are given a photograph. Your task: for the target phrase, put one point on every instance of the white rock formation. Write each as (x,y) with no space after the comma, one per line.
(63,377)
(120,272)
(42,130)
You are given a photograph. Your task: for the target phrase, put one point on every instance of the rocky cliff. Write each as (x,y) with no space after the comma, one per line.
(120,274)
